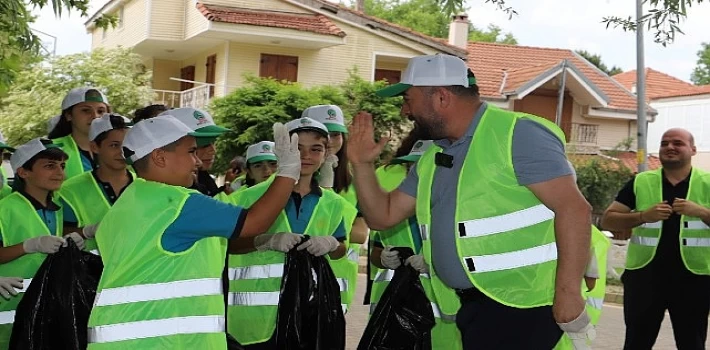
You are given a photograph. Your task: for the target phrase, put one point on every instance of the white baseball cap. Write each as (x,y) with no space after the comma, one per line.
(417,151)
(306,123)
(330,115)
(431,70)
(30,149)
(103,124)
(261,151)
(83,94)
(151,134)
(198,120)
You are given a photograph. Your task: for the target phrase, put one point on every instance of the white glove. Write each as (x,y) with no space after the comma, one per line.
(282,242)
(327,171)
(9,286)
(592,266)
(286,150)
(320,245)
(78,240)
(89,231)
(418,263)
(580,331)
(43,244)
(390,258)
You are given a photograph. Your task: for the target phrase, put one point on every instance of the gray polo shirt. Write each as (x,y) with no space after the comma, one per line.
(538,156)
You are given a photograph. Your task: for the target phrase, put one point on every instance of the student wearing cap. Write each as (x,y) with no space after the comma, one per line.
(5,188)
(162,244)
(444,335)
(206,133)
(236,175)
(256,269)
(335,174)
(261,163)
(87,197)
(71,133)
(30,221)
(503,223)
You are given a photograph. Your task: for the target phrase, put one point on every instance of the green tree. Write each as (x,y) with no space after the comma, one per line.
(17,42)
(599,180)
(251,110)
(424,16)
(38,91)
(701,73)
(597,61)
(494,34)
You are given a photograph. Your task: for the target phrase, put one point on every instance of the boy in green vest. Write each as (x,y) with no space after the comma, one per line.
(164,245)
(87,197)
(256,269)
(30,221)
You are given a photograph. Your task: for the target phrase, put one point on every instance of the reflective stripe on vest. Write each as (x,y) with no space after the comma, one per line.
(596,303)
(256,272)
(25,284)
(695,225)
(696,242)
(507,222)
(657,224)
(253,298)
(95,252)
(387,275)
(343,284)
(159,291)
(7,317)
(353,255)
(647,241)
(156,328)
(511,260)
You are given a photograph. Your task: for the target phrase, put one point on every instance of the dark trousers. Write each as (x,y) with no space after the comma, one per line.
(648,293)
(486,324)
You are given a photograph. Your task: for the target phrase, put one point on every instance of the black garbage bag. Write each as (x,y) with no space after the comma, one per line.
(310,315)
(54,312)
(233,344)
(403,317)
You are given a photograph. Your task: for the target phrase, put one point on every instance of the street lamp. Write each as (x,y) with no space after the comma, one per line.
(641,123)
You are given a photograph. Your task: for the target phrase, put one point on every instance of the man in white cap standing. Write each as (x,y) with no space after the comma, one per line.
(503,223)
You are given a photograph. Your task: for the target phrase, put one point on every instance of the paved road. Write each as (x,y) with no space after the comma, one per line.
(610,332)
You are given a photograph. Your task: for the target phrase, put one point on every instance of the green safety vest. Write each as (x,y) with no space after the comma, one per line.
(505,236)
(348,268)
(5,190)
(19,222)
(595,297)
(445,334)
(86,198)
(73,165)
(255,278)
(694,233)
(149,298)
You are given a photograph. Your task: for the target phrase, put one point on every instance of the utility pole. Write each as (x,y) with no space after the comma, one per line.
(54,39)
(641,123)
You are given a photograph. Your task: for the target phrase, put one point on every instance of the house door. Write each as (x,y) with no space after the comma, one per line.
(187,73)
(391,76)
(543,103)
(211,69)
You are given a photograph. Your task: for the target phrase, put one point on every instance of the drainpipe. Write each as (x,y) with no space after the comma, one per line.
(561,95)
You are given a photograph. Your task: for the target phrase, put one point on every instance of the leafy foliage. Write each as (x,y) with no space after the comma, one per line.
(600,179)
(596,60)
(494,34)
(701,73)
(38,91)
(424,16)
(255,107)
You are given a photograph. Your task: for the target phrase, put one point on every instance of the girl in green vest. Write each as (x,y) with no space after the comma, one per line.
(30,220)
(87,197)
(261,163)
(335,174)
(71,133)
(256,269)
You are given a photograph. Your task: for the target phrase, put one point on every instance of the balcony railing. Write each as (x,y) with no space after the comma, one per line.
(197,97)
(584,133)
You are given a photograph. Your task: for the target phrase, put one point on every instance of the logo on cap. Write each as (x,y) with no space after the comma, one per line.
(201,119)
(266,148)
(418,145)
(305,121)
(332,115)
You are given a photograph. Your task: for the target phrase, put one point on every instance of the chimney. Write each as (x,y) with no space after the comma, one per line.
(458,30)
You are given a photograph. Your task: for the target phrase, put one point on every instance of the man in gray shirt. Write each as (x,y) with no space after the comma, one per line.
(449,110)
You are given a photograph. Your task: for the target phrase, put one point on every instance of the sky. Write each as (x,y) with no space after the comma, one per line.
(571,24)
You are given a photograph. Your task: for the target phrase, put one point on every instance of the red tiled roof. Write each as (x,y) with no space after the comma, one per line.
(518,77)
(662,85)
(489,60)
(299,21)
(627,159)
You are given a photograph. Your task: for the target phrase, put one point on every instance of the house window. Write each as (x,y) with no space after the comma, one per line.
(389,75)
(120,18)
(279,67)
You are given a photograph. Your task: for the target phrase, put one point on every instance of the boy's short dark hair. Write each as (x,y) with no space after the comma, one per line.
(148,112)
(117,123)
(313,132)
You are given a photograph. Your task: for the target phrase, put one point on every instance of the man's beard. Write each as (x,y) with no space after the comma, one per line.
(431,128)
(673,164)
